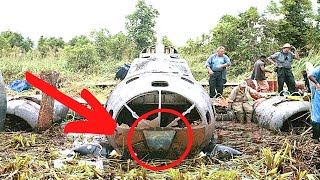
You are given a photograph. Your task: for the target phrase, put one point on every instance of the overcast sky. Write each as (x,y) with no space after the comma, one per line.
(179,19)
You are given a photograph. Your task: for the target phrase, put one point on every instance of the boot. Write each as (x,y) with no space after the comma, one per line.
(240,117)
(249,117)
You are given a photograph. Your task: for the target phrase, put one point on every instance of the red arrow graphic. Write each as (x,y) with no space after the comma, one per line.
(99,121)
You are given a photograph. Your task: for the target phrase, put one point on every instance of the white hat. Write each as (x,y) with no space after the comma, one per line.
(243,84)
(286,45)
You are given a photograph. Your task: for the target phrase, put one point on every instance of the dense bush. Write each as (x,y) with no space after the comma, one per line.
(81,57)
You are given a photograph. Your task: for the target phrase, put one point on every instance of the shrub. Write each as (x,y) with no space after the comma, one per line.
(81,57)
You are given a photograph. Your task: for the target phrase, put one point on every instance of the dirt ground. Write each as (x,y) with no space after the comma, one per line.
(26,155)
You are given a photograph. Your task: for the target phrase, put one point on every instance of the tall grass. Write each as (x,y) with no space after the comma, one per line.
(13,67)
(300,65)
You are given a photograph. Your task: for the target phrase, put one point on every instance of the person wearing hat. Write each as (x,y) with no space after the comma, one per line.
(259,74)
(241,101)
(283,62)
(216,65)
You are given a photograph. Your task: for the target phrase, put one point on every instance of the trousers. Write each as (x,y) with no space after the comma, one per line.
(285,76)
(315,130)
(243,111)
(216,84)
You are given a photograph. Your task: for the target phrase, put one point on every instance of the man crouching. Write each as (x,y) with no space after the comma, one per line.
(241,101)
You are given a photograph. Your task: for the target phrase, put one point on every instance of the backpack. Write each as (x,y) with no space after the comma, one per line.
(122,72)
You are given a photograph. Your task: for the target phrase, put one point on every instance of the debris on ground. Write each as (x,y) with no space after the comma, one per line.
(19,85)
(266,154)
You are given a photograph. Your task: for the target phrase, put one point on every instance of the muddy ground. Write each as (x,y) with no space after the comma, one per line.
(27,155)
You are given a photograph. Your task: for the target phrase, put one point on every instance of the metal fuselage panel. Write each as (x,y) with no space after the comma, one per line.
(162,74)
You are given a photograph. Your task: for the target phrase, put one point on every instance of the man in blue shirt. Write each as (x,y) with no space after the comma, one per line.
(315,113)
(283,62)
(216,65)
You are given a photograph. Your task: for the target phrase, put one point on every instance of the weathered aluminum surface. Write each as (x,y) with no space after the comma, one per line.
(3,103)
(274,112)
(28,109)
(161,73)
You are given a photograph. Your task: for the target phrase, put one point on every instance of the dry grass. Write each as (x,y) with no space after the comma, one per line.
(30,156)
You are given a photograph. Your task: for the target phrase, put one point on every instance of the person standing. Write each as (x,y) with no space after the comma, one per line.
(259,71)
(315,112)
(283,62)
(216,65)
(306,81)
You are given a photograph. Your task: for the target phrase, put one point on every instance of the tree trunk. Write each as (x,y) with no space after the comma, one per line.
(45,118)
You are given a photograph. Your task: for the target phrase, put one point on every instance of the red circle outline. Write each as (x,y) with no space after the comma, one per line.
(176,162)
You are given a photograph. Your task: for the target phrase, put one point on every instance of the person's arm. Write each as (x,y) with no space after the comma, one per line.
(208,66)
(311,77)
(210,70)
(273,57)
(255,93)
(223,65)
(271,60)
(226,64)
(296,53)
(264,69)
(232,95)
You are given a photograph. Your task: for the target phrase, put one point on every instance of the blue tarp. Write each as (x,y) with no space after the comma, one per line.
(19,85)
(315,114)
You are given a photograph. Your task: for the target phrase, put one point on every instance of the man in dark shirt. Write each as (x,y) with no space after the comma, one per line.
(259,74)
(283,61)
(306,81)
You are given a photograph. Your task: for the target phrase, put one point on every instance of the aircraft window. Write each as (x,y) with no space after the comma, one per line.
(160,84)
(208,118)
(132,79)
(188,80)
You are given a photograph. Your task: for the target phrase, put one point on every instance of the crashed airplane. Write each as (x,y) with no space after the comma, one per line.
(158,80)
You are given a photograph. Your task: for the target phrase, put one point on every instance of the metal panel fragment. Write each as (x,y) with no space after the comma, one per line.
(277,112)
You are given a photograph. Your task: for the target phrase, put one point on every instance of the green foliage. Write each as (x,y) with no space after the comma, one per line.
(242,35)
(117,46)
(250,34)
(13,68)
(14,39)
(140,24)
(27,44)
(81,57)
(121,47)
(200,45)
(50,44)
(167,42)
(79,40)
(101,39)
(9,40)
(296,22)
